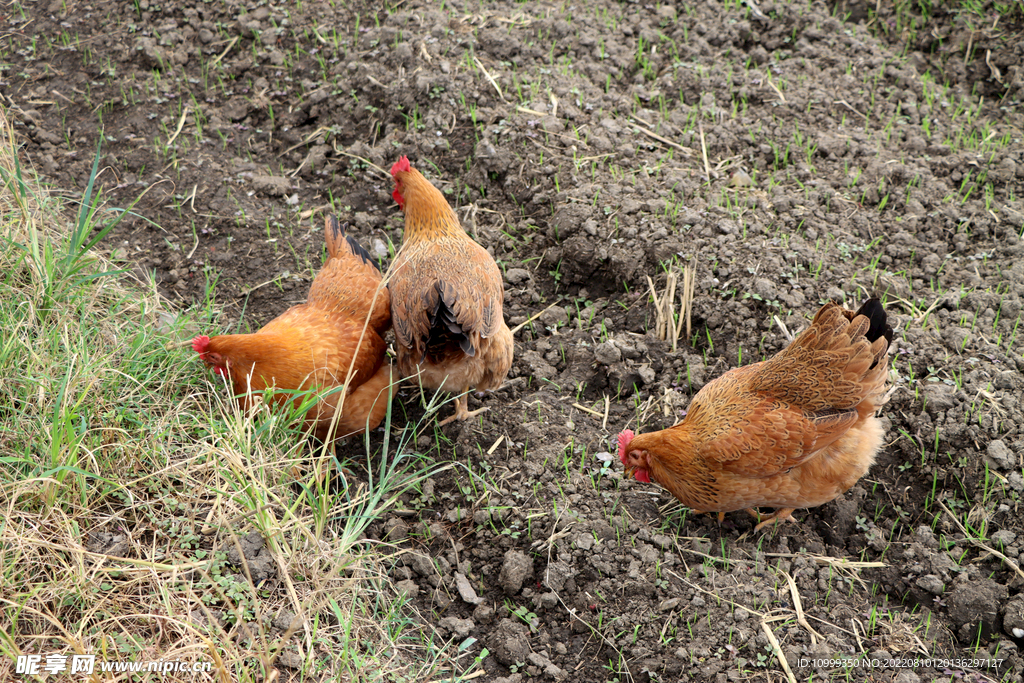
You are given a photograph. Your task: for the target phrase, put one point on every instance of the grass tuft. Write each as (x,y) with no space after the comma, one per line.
(145,516)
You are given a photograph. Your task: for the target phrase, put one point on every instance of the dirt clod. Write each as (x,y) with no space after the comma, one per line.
(515,570)
(974,606)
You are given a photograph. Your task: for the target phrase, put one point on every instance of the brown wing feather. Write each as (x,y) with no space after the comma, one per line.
(475,295)
(742,433)
(768,417)
(459,272)
(413,296)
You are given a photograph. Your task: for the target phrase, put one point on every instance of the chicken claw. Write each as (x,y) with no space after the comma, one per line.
(462,411)
(779,516)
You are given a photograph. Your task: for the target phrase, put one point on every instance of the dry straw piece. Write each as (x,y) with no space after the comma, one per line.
(669,324)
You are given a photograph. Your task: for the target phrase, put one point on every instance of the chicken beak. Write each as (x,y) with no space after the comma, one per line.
(629,473)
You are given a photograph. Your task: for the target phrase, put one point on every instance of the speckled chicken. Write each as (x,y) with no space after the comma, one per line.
(795,431)
(446,298)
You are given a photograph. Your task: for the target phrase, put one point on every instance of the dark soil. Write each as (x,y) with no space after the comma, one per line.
(845,157)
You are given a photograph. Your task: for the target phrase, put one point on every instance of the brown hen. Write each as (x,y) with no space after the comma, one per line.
(795,431)
(338,332)
(446,298)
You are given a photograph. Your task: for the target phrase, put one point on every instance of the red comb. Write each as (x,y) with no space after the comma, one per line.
(201,344)
(400,165)
(624,438)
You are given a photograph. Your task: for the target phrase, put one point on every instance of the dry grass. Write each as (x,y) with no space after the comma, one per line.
(669,324)
(127,479)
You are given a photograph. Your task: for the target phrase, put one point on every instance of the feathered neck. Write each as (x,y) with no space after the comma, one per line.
(258,346)
(428,215)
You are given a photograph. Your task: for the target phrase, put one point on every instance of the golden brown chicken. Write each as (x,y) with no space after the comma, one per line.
(446,298)
(338,331)
(795,431)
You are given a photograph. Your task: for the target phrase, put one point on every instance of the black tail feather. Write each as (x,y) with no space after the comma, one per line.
(445,330)
(338,230)
(879,323)
(872,309)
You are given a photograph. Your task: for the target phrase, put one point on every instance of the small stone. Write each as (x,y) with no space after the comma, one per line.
(1013,617)
(283,621)
(549,668)
(976,601)
(457,514)
(517,276)
(700,545)
(728,227)
(275,186)
(548,600)
(926,537)
(483,614)
(556,575)
(465,589)
(420,564)
(907,676)
(554,317)
(509,642)
(938,398)
(292,660)
(647,374)
(740,179)
(662,541)
(395,530)
(485,150)
(766,289)
(403,51)
(378,249)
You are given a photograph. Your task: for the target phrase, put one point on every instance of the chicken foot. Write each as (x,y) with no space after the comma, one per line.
(462,410)
(779,516)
